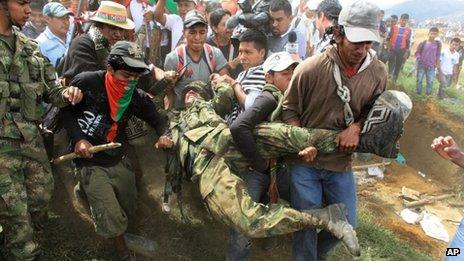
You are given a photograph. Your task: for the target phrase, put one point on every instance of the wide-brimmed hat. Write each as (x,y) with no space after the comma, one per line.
(113,14)
(131,53)
(360,22)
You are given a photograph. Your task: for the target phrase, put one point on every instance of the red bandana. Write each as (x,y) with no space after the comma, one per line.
(119,97)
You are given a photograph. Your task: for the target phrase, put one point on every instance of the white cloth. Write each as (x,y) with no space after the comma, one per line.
(448,60)
(136,9)
(175,24)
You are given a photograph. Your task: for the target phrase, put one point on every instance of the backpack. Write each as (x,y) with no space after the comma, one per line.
(182,58)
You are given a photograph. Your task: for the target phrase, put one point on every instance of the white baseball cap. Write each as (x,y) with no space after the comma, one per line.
(360,21)
(278,62)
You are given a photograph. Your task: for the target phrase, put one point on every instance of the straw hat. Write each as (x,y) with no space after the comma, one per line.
(113,14)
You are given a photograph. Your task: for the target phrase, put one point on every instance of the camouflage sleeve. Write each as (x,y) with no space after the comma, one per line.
(53,91)
(279,139)
(224,99)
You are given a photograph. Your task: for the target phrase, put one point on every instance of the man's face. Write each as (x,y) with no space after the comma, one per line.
(381,15)
(112,33)
(19,10)
(58,25)
(123,75)
(403,22)
(249,55)
(432,36)
(280,22)
(352,54)
(37,18)
(196,36)
(394,21)
(282,79)
(221,29)
(453,46)
(184,7)
(190,97)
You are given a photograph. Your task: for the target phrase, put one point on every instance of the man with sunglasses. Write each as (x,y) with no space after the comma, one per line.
(333,90)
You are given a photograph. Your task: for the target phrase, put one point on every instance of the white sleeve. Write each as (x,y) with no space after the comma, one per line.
(250,98)
(174,24)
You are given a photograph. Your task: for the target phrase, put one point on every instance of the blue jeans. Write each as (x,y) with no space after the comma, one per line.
(429,77)
(445,82)
(458,242)
(257,185)
(311,188)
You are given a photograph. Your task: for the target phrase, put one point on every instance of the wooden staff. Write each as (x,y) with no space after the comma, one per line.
(93,150)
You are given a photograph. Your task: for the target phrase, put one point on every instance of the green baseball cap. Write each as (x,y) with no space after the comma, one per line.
(131,53)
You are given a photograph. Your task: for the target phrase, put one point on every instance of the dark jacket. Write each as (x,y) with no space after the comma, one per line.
(82,57)
(91,120)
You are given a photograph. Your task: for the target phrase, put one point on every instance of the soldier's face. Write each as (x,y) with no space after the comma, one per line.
(190,97)
(20,11)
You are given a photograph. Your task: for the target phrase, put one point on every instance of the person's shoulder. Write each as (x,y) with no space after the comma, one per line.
(313,63)
(87,79)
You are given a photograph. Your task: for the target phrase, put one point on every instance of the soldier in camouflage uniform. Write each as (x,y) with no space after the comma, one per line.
(205,150)
(26,79)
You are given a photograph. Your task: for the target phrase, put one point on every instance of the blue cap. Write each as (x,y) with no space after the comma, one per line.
(55,9)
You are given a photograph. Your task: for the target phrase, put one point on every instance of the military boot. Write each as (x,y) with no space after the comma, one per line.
(333,219)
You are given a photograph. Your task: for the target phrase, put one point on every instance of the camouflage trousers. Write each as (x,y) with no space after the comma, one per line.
(26,186)
(226,193)
(230,203)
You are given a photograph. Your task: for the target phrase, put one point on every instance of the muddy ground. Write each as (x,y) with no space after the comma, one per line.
(69,234)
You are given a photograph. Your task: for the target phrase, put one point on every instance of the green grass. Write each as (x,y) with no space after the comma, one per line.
(454,104)
(378,243)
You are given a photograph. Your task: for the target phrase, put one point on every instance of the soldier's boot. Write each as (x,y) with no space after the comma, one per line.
(333,219)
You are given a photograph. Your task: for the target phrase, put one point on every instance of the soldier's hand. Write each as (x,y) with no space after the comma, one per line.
(348,139)
(73,94)
(308,154)
(164,142)
(82,149)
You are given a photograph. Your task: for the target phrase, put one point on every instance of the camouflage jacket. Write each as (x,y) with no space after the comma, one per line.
(26,79)
(200,133)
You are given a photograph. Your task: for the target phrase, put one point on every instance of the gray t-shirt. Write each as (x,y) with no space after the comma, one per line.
(195,71)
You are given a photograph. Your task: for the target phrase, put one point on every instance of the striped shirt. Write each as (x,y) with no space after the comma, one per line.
(252,82)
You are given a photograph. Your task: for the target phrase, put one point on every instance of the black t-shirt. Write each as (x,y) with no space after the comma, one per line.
(91,118)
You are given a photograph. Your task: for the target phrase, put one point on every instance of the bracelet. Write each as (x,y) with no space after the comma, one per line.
(234,84)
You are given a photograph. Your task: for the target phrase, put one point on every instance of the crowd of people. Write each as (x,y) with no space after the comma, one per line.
(233,92)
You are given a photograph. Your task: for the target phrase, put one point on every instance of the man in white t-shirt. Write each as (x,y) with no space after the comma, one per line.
(326,14)
(449,60)
(174,23)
